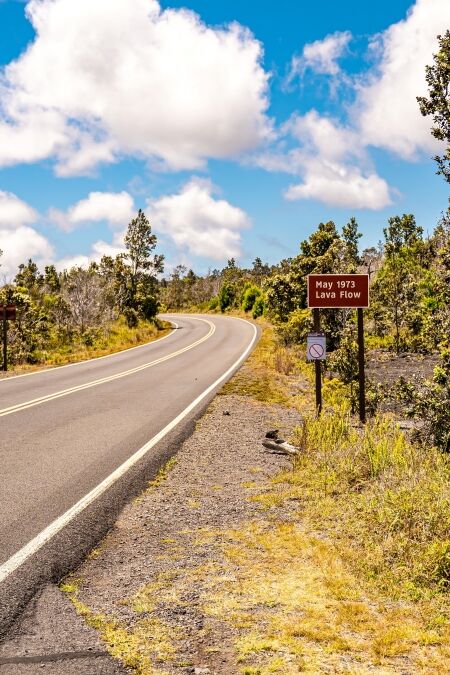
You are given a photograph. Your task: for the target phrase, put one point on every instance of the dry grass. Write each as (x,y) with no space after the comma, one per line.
(298,609)
(115,338)
(273,374)
(375,516)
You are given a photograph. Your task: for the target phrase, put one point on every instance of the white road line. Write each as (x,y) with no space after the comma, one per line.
(96,358)
(49,532)
(94,383)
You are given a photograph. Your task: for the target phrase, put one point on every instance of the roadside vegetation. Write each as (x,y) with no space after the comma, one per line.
(351,554)
(76,314)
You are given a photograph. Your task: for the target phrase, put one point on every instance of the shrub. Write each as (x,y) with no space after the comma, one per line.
(226,297)
(294,331)
(429,402)
(249,298)
(131,317)
(213,303)
(259,307)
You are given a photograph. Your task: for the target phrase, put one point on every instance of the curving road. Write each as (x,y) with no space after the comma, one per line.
(77,441)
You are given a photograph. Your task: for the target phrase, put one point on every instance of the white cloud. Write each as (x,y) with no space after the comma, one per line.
(116,208)
(340,185)
(320,56)
(331,162)
(21,244)
(18,240)
(14,211)
(387,114)
(98,250)
(108,78)
(198,223)
(331,158)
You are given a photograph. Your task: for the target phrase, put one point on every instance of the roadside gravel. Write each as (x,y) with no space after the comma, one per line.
(151,571)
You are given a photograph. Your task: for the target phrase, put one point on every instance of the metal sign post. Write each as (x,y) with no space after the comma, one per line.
(361,372)
(340,291)
(8,314)
(5,341)
(317,352)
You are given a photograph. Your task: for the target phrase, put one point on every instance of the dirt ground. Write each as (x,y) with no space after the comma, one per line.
(151,573)
(386,368)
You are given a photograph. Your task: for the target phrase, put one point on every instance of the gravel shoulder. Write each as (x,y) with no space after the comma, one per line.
(156,567)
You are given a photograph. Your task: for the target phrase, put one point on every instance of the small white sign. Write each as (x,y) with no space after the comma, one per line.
(316,344)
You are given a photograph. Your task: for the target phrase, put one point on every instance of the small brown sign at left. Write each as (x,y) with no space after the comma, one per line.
(9,311)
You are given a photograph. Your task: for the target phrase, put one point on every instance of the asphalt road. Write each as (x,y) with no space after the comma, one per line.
(78,441)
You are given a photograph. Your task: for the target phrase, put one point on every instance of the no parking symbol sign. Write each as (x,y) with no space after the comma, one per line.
(316,347)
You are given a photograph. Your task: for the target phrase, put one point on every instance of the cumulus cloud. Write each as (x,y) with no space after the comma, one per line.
(331,158)
(18,240)
(116,208)
(320,56)
(199,223)
(341,185)
(386,113)
(107,78)
(331,162)
(14,211)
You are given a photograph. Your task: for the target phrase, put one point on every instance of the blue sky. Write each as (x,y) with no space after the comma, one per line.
(237,126)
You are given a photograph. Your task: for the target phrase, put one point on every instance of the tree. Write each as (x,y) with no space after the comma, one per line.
(403,289)
(438,103)
(82,291)
(30,278)
(259,271)
(140,273)
(174,294)
(371,259)
(324,252)
(401,232)
(351,236)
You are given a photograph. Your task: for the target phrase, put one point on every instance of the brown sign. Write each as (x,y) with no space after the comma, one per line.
(338,290)
(10,312)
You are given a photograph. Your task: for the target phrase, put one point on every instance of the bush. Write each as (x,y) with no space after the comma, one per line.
(226,297)
(213,303)
(259,307)
(131,317)
(251,294)
(296,329)
(429,402)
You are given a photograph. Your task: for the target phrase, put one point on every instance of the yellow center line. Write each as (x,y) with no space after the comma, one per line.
(65,392)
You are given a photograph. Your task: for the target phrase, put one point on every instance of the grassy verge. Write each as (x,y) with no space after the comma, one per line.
(363,520)
(115,338)
(346,568)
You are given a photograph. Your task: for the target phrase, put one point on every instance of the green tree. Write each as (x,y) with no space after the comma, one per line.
(324,252)
(438,102)
(226,296)
(404,286)
(259,271)
(138,275)
(351,236)
(30,278)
